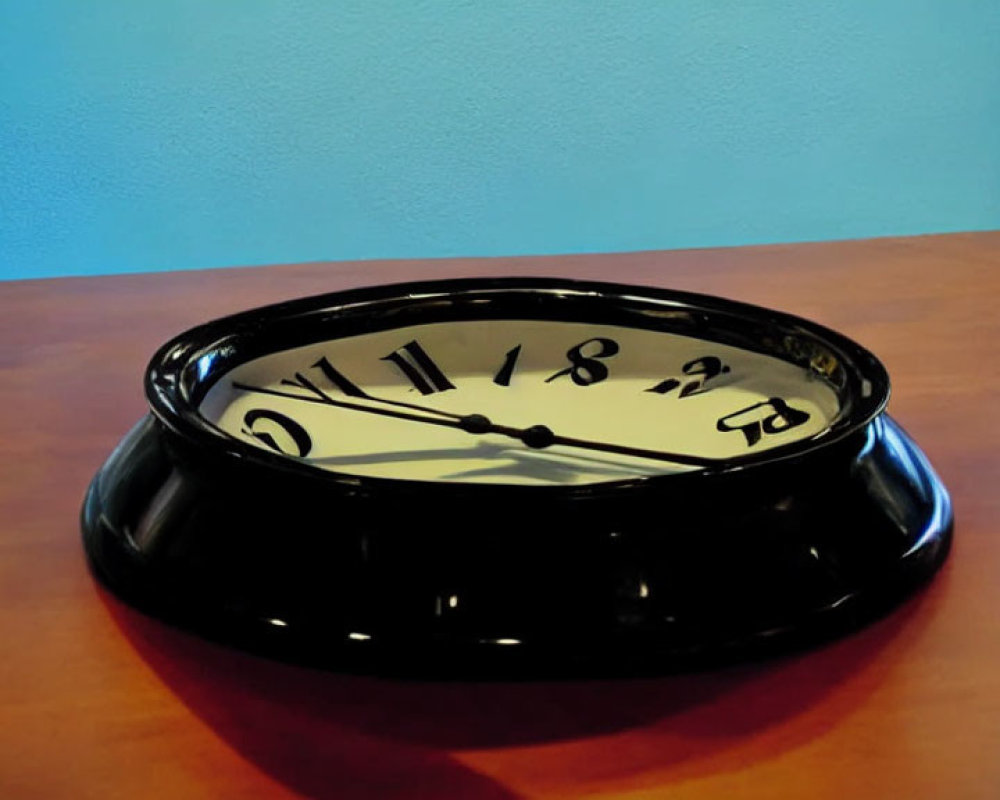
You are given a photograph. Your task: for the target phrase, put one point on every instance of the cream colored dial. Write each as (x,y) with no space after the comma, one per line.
(632,389)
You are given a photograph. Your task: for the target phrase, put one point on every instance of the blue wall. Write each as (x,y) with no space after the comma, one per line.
(184,133)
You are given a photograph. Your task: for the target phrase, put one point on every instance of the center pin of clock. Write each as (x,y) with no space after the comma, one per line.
(537,436)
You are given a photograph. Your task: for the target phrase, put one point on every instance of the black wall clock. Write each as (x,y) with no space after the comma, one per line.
(515,475)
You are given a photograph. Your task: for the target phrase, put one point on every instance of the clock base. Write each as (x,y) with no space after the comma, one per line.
(687,574)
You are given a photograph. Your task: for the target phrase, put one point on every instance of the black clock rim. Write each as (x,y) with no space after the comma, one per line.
(174,393)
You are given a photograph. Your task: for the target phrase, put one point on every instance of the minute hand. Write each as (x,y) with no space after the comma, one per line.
(535,436)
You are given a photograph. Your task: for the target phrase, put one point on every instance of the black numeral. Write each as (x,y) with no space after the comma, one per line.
(338,379)
(768,416)
(503,377)
(704,369)
(416,365)
(586,370)
(334,375)
(297,434)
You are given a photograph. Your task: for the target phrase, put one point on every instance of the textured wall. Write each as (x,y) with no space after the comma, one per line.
(177,134)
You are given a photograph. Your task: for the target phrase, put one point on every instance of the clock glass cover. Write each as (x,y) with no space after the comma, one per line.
(389,404)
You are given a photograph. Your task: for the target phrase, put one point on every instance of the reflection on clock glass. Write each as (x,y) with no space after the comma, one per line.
(518,402)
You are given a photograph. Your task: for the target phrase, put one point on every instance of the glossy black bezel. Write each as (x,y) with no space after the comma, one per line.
(185,368)
(746,557)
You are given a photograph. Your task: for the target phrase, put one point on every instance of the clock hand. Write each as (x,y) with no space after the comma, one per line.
(308,384)
(449,420)
(536,436)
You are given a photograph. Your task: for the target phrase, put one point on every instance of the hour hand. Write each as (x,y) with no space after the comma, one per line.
(303,382)
(443,418)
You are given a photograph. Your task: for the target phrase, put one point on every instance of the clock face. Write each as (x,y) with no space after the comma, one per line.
(518,401)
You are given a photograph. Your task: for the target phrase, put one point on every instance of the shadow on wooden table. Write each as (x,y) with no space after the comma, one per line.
(328,735)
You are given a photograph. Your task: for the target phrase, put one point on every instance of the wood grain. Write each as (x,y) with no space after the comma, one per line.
(97,701)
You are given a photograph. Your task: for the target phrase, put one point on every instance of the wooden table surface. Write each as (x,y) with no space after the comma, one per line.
(97,701)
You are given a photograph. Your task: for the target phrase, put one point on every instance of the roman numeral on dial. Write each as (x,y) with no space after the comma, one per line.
(417,366)
(503,377)
(334,375)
